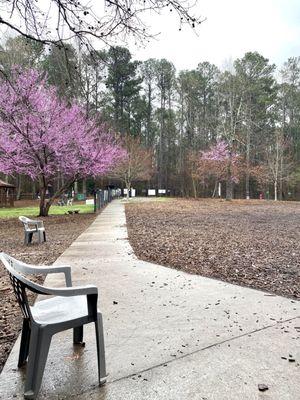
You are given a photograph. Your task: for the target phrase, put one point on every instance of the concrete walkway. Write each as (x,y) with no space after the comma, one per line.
(169,335)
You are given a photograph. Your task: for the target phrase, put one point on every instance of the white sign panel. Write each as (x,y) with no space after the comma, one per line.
(132,192)
(151,192)
(162,191)
(125,191)
(89,202)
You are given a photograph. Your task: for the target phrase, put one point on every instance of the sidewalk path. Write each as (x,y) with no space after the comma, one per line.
(169,335)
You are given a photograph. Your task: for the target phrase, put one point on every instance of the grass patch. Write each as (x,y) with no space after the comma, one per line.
(34,211)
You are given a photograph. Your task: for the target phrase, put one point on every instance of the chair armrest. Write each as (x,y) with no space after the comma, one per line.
(33,221)
(65,269)
(49,269)
(90,291)
(71,291)
(38,224)
(64,292)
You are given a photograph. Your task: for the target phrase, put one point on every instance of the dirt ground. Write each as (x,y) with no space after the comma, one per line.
(61,231)
(250,243)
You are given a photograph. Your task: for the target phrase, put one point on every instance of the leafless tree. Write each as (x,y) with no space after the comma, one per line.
(136,166)
(55,21)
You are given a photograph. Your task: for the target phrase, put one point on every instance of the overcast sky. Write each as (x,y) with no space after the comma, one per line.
(232,27)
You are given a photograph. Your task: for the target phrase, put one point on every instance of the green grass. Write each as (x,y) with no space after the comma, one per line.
(34,211)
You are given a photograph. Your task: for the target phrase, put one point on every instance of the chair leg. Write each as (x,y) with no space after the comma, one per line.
(40,236)
(78,335)
(31,360)
(29,237)
(44,233)
(24,347)
(100,349)
(41,340)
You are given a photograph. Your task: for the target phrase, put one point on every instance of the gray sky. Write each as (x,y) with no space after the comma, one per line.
(233,27)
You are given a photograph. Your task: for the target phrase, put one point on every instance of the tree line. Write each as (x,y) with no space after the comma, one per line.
(251,108)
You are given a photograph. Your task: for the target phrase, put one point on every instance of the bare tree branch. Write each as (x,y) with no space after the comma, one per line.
(61,20)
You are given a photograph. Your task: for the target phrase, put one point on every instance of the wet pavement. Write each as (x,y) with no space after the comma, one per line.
(169,335)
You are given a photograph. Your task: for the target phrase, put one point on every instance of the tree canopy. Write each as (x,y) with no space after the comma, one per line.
(41,136)
(253,107)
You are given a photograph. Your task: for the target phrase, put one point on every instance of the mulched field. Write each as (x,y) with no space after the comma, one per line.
(61,231)
(250,243)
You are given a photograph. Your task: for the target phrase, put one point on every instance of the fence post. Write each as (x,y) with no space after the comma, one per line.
(101,198)
(95,201)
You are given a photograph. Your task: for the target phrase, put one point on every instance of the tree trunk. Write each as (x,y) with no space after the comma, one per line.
(46,209)
(62,180)
(44,204)
(128,187)
(43,209)
(248,166)
(229,189)
(229,182)
(275,190)
(280,190)
(281,177)
(215,189)
(194,188)
(19,186)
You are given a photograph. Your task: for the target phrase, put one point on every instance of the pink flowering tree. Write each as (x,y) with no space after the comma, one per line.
(222,164)
(42,137)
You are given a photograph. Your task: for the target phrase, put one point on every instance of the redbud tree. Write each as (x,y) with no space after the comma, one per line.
(43,137)
(223,164)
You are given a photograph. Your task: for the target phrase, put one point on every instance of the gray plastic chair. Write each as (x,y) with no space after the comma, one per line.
(32,226)
(77,307)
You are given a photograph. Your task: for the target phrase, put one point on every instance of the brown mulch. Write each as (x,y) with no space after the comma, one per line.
(61,231)
(250,243)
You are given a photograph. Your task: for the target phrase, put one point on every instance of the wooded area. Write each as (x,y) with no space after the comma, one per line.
(252,107)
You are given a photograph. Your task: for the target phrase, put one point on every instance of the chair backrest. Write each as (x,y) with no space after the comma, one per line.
(19,282)
(25,221)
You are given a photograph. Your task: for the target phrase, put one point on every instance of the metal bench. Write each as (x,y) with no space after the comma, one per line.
(77,306)
(33,226)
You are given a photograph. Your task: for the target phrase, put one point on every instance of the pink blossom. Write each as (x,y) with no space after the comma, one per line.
(222,158)
(219,152)
(42,137)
